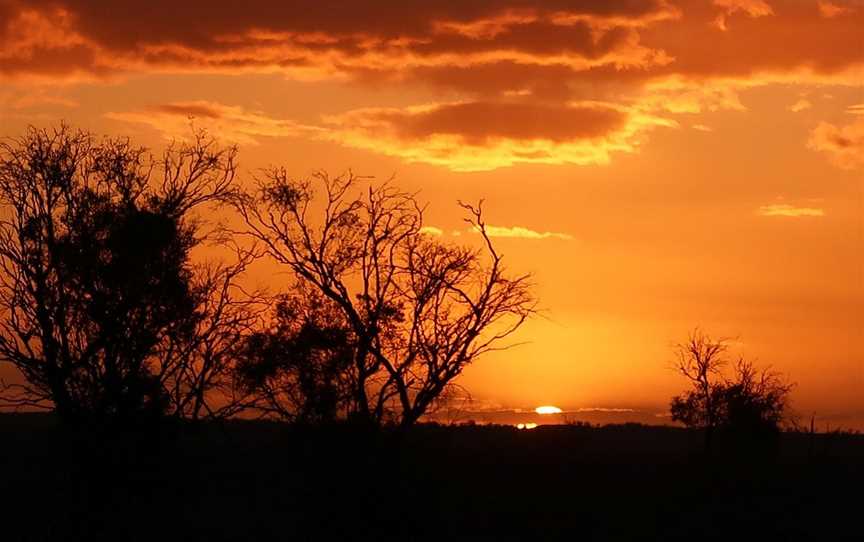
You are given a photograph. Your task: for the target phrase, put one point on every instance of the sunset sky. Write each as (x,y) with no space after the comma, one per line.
(656,164)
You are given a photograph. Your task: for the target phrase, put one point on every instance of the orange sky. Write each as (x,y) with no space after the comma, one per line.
(658,164)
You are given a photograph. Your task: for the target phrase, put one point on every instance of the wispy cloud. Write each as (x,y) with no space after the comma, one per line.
(432,230)
(830,10)
(511,232)
(844,145)
(703,128)
(801,105)
(785,210)
(33,98)
(231,123)
(485,135)
(753,8)
(602,409)
(857,109)
(519,232)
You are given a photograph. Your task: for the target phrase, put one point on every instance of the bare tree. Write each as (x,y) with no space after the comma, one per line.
(750,401)
(419,310)
(700,360)
(198,369)
(96,286)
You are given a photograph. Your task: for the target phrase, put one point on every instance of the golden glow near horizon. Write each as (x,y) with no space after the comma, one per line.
(656,164)
(547,410)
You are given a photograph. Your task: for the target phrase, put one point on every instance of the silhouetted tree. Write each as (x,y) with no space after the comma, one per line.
(299,368)
(700,360)
(102,311)
(752,402)
(419,310)
(198,369)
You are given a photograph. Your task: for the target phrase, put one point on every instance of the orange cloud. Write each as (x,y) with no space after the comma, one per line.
(306,39)
(801,105)
(475,136)
(856,109)
(644,59)
(18,99)
(829,9)
(510,232)
(559,44)
(789,211)
(432,230)
(518,232)
(753,8)
(462,136)
(844,145)
(230,123)
(776,42)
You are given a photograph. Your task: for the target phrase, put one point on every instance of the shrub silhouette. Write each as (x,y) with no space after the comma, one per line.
(299,368)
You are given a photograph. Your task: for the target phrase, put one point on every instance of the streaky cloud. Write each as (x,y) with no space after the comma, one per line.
(789,211)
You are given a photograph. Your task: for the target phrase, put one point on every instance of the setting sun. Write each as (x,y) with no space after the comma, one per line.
(548,410)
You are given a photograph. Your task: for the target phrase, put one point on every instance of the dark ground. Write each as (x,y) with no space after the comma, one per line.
(260,481)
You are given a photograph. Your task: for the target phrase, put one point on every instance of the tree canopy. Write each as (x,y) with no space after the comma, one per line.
(417,310)
(102,310)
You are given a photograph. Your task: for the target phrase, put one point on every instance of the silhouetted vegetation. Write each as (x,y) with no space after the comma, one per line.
(109,320)
(752,403)
(300,367)
(113,324)
(102,311)
(263,481)
(418,310)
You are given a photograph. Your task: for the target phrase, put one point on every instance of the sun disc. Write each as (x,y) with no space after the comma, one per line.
(548,409)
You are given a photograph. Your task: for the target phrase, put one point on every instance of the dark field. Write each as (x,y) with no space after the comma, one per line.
(261,481)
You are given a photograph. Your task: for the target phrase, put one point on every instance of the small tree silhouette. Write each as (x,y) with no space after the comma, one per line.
(754,401)
(299,368)
(102,312)
(419,310)
(751,403)
(700,360)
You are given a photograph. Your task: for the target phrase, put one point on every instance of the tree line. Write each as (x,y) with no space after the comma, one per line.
(110,320)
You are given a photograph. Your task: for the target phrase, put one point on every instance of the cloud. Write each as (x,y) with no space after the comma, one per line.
(644,59)
(784,210)
(298,37)
(432,230)
(857,109)
(479,122)
(702,128)
(462,136)
(556,44)
(476,136)
(518,232)
(753,8)
(512,232)
(829,10)
(17,100)
(231,123)
(801,105)
(602,409)
(844,145)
